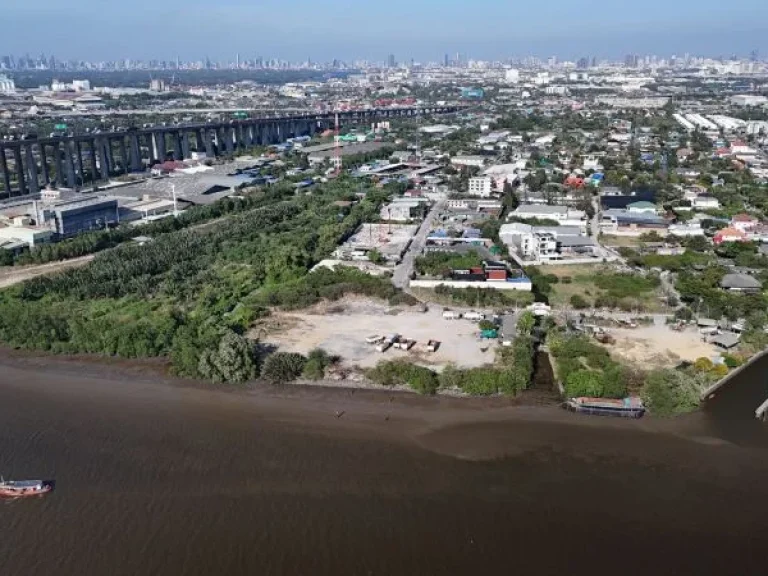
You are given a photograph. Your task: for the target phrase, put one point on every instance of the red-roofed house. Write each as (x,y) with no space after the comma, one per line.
(723,152)
(744,222)
(574,182)
(729,235)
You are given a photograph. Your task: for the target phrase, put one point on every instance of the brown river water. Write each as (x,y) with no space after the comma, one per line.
(154,478)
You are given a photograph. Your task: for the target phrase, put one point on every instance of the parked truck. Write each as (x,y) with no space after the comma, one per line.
(404,344)
(432,345)
(475,316)
(451,315)
(387,342)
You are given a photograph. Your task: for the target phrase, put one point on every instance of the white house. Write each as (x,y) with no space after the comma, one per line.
(592,163)
(481,186)
(528,243)
(686,230)
(561,214)
(744,222)
(477,161)
(705,202)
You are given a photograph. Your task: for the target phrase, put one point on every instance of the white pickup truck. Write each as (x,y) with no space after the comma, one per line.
(474,316)
(451,315)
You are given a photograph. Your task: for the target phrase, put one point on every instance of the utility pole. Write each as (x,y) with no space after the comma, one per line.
(175,204)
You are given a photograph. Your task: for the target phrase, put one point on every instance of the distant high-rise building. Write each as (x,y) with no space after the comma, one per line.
(753,56)
(583,63)
(631,61)
(594,61)
(391,61)
(446,61)
(7,86)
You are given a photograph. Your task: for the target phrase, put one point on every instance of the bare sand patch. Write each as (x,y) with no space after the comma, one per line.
(341,328)
(659,346)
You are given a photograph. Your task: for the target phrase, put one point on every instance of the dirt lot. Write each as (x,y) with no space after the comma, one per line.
(581,282)
(620,241)
(11,275)
(341,328)
(659,346)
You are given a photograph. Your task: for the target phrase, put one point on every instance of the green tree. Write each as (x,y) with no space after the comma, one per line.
(232,361)
(525,323)
(579,302)
(282,367)
(584,383)
(317,362)
(669,391)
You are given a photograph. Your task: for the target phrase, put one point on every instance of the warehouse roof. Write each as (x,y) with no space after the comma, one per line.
(740,282)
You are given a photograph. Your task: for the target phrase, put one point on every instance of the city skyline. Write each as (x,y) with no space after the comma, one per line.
(342,29)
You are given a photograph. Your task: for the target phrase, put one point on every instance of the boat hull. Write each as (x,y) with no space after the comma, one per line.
(8,493)
(605,409)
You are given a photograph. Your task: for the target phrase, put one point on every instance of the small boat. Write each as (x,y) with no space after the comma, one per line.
(23,488)
(631,407)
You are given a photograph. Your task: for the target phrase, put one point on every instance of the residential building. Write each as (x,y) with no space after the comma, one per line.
(545,243)
(503,173)
(402,210)
(626,223)
(592,163)
(729,235)
(744,222)
(476,161)
(686,230)
(642,207)
(563,215)
(705,202)
(481,186)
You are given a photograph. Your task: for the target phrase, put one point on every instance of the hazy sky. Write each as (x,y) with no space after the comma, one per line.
(349,29)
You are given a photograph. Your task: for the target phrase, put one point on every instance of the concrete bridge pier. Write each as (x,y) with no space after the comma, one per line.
(160,150)
(178,154)
(20,177)
(79,152)
(229,135)
(264,136)
(135,146)
(34,181)
(125,161)
(44,165)
(108,144)
(208,142)
(185,145)
(69,163)
(101,147)
(4,169)
(94,167)
(58,166)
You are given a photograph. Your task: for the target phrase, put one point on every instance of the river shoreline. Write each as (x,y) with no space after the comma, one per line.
(429,422)
(156,475)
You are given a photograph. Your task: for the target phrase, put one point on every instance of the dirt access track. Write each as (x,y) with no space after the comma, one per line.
(11,275)
(341,328)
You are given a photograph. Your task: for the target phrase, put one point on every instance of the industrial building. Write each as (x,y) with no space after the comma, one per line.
(74,217)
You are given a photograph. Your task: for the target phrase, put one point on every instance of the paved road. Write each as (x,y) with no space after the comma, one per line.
(402,276)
